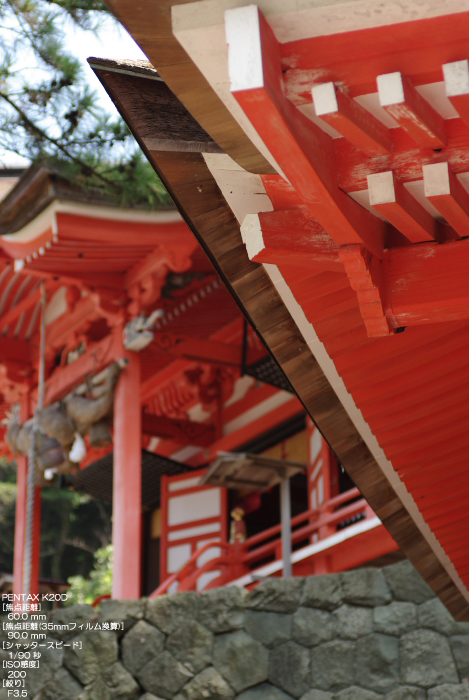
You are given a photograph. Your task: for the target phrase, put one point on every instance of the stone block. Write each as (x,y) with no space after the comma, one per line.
(406,583)
(118,684)
(277,595)
(208,685)
(322,592)
(191,644)
(317,695)
(460,648)
(168,612)
(99,651)
(312,627)
(356,693)
(51,661)
(290,668)
(264,692)
(407,692)
(126,611)
(396,618)
(149,696)
(221,609)
(378,662)
(449,692)
(353,622)
(333,665)
(365,587)
(164,676)
(141,644)
(271,629)
(63,686)
(434,615)
(426,659)
(241,660)
(71,617)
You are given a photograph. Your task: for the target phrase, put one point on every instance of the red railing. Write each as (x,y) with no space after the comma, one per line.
(188,575)
(241,558)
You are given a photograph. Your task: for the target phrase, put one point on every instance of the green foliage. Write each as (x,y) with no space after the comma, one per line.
(7,515)
(49,115)
(73,527)
(86,590)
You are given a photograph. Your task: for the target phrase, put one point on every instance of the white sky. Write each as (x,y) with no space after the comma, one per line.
(113,41)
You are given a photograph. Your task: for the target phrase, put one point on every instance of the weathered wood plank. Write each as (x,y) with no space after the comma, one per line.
(150,25)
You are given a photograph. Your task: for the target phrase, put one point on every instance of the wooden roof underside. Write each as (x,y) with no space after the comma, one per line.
(202,204)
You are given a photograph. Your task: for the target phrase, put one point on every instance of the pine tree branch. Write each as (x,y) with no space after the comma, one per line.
(40,132)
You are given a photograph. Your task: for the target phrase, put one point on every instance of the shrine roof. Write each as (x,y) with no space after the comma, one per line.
(307,265)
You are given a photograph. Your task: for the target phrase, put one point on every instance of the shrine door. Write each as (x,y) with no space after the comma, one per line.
(192,516)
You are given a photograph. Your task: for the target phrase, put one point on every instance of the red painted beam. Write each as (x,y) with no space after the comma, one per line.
(183,431)
(97,356)
(83,279)
(350,119)
(417,48)
(391,199)
(407,106)
(177,259)
(364,273)
(289,237)
(20,249)
(303,151)
(428,283)
(353,166)
(413,285)
(446,193)
(203,350)
(119,232)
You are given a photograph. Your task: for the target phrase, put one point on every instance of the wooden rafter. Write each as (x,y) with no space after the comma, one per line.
(304,152)
(287,237)
(351,120)
(445,192)
(391,199)
(407,106)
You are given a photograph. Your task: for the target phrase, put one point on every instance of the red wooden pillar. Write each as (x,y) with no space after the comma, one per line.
(36,550)
(20,522)
(319,486)
(127,482)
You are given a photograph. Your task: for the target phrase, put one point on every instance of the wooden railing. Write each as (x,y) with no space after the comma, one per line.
(187,576)
(241,558)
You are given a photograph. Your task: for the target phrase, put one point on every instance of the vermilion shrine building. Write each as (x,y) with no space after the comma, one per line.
(319,151)
(197,381)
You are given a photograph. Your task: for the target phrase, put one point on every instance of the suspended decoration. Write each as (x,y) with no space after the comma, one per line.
(61,427)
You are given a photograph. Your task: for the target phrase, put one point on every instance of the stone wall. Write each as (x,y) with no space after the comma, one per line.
(362,635)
